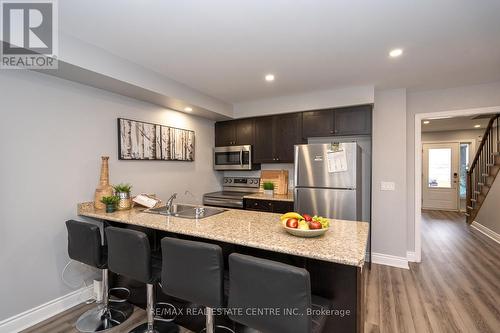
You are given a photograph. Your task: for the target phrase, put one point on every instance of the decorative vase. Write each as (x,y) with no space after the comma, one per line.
(125,201)
(110,208)
(104,189)
(269,193)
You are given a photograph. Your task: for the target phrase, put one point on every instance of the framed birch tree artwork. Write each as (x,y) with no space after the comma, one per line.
(138,140)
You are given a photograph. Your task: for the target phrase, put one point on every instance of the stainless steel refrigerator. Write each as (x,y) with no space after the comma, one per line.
(328,180)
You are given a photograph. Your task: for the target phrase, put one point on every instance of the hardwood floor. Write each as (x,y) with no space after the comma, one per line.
(65,322)
(456,288)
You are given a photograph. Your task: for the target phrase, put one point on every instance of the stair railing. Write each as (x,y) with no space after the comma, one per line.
(478,172)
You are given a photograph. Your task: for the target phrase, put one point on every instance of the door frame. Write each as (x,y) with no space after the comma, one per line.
(444,142)
(418,163)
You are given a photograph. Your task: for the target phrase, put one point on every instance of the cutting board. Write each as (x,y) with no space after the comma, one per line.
(279,179)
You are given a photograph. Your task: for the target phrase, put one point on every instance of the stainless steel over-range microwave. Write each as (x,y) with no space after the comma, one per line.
(233,158)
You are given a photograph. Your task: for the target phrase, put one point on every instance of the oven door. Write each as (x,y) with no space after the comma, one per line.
(233,158)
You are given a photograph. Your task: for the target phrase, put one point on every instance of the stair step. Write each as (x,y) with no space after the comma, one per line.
(469,207)
(478,192)
(473,200)
(467,214)
(485,174)
(480,184)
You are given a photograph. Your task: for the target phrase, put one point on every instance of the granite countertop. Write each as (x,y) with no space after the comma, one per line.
(275,197)
(345,242)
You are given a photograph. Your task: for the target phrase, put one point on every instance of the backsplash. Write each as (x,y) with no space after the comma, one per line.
(256,173)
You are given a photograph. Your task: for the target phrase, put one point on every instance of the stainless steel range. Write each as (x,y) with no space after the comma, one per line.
(233,191)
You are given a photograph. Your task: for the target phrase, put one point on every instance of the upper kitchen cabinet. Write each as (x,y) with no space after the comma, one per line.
(263,149)
(275,137)
(287,134)
(317,123)
(234,132)
(352,120)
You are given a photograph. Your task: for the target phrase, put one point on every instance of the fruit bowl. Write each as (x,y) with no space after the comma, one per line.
(304,225)
(306,233)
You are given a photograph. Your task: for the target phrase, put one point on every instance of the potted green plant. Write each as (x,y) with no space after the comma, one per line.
(268,188)
(122,191)
(110,203)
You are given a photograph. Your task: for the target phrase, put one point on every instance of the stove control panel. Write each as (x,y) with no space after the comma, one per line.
(241,182)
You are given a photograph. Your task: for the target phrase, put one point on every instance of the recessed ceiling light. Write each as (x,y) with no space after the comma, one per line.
(395,53)
(188,109)
(269,77)
(426,122)
(477,126)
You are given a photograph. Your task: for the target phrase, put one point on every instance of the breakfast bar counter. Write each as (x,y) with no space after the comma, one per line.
(344,243)
(335,261)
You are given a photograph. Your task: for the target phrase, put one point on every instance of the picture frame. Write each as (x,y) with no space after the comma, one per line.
(145,141)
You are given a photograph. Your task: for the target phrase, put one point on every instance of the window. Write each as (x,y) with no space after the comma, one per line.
(464,165)
(440,168)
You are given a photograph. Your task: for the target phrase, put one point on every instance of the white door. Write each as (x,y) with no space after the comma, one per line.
(440,176)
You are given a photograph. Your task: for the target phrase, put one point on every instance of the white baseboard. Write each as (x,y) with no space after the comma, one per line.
(37,314)
(388,260)
(411,256)
(486,231)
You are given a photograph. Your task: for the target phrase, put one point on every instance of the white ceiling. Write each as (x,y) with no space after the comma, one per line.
(225,47)
(456,123)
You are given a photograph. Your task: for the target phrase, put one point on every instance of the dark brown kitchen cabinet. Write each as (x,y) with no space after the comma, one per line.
(225,133)
(352,120)
(288,132)
(272,206)
(263,150)
(356,120)
(275,137)
(317,123)
(234,132)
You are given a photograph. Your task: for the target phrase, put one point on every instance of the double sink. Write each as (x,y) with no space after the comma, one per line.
(186,211)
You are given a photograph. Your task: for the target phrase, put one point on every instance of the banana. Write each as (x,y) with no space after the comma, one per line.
(291,215)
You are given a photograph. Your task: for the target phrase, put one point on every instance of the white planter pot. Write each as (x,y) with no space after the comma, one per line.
(269,193)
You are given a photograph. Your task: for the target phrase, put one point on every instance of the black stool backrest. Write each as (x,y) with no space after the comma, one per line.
(193,271)
(129,253)
(260,284)
(85,244)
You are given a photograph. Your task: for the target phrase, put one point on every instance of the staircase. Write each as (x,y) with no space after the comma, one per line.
(483,169)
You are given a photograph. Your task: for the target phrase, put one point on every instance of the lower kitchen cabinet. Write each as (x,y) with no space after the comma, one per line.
(271,206)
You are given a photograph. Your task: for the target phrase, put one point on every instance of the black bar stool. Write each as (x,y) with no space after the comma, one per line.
(194,271)
(129,254)
(274,297)
(85,246)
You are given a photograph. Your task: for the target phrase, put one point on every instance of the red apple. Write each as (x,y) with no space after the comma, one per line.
(292,223)
(307,217)
(315,225)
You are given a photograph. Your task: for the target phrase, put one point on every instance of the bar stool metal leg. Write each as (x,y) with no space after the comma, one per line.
(104,316)
(152,326)
(210,326)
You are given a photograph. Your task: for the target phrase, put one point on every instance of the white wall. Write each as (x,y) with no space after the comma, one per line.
(488,215)
(314,100)
(52,134)
(460,98)
(389,164)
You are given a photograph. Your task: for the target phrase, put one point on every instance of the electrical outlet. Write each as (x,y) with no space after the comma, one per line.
(387,186)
